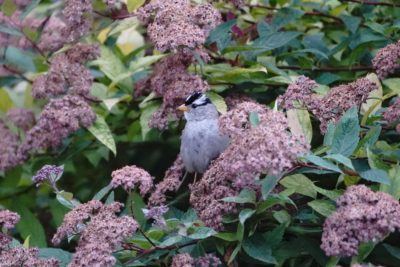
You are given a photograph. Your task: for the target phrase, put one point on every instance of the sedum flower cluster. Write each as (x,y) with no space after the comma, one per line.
(101,232)
(18,256)
(179,23)
(131,177)
(186,260)
(362,215)
(266,148)
(171,81)
(332,106)
(170,183)
(387,60)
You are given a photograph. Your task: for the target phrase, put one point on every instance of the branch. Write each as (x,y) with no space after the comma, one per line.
(328,69)
(17,73)
(149,251)
(372,3)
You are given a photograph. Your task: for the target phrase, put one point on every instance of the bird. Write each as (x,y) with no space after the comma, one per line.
(201,139)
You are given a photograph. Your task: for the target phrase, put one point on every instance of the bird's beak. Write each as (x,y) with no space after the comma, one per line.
(183,108)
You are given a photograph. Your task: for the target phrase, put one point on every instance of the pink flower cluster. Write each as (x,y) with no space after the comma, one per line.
(387,60)
(131,177)
(333,105)
(9,143)
(170,183)
(266,148)
(18,256)
(362,216)
(171,81)
(392,114)
(60,118)
(21,117)
(179,23)
(67,74)
(185,260)
(101,232)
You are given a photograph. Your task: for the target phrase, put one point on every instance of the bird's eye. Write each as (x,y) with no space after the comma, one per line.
(194,105)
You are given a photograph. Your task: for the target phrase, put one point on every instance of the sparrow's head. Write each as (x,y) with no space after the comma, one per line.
(198,107)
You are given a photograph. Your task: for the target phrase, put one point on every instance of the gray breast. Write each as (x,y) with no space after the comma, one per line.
(201,143)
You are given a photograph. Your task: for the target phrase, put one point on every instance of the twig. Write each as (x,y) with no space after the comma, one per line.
(114,17)
(372,3)
(17,73)
(328,69)
(147,238)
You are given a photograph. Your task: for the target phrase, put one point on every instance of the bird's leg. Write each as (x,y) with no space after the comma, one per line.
(183,179)
(195,177)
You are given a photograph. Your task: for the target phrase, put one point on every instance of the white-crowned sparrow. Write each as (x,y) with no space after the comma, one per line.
(201,139)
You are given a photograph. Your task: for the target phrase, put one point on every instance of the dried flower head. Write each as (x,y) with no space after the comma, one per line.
(131,177)
(392,113)
(387,60)
(67,74)
(59,118)
(51,38)
(101,232)
(362,216)
(9,143)
(173,24)
(25,257)
(339,99)
(21,117)
(235,122)
(156,213)
(206,195)
(171,81)
(301,90)
(267,148)
(170,183)
(182,260)
(208,260)
(49,173)
(232,100)
(76,14)
(8,219)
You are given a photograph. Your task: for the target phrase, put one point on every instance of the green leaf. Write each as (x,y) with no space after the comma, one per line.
(202,233)
(20,59)
(341,159)
(30,226)
(103,192)
(254,119)
(301,184)
(375,175)
(230,237)
(394,251)
(8,7)
(257,247)
(145,117)
(221,34)
(5,101)
(393,84)
(245,214)
(113,68)
(351,22)
(245,196)
(29,8)
(345,138)
(136,205)
(282,216)
(218,101)
(267,184)
(275,236)
(102,132)
(272,41)
(11,31)
(332,195)
(300,123)
(171,240)
(330,131)
(235,252)
(393,188)
(134,4)
(371,137)
(323,163)
(323,207)
(62,256)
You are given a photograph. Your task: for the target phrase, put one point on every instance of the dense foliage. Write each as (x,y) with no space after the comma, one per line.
(90,171)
